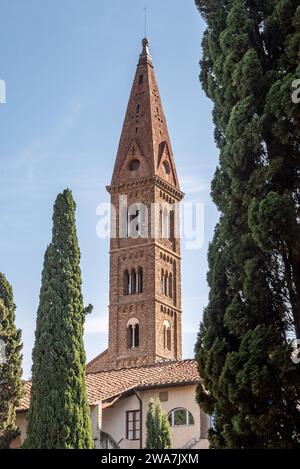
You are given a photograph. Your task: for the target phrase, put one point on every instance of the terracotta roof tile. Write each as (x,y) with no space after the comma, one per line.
(106,385)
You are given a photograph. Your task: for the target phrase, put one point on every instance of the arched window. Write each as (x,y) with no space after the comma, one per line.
(133,333)
(170,286)
(162,281)
(129,336)
(181,417)
(165,223)
(126,282)
(174,280)
(161,222)
(136,334)
(167,336)
(172,225)
(166,282)
(140,280)
(133,282)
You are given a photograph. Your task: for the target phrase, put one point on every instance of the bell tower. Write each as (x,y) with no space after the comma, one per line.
(145,264)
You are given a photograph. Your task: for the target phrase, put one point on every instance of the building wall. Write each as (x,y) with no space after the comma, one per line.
(114,418)
(96,421)
(22,425)
(154,255)
(114,421)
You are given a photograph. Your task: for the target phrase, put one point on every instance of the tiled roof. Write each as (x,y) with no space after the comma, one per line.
(26,398)
(106,385)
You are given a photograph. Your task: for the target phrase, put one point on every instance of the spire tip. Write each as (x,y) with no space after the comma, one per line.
(145,55)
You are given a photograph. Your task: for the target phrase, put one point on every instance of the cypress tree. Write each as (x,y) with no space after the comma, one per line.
(250,384)
(11,386)
(59,412)
(159,434)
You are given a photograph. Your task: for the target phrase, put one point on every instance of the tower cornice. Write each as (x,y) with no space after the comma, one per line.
(140,183)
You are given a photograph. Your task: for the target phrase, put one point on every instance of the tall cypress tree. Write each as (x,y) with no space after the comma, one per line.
(11,386)
(59,412)
(250,385)
(159,434)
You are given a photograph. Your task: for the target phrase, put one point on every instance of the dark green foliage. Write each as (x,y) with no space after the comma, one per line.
(59,412)
(159,434)
(11,386)
(251,52)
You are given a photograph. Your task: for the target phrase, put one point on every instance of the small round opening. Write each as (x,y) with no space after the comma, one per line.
(166,167)
(134,165)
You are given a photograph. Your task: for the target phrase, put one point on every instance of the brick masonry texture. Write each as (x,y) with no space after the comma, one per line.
(154,180)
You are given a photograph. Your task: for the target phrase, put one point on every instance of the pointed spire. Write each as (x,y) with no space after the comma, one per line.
(145,148)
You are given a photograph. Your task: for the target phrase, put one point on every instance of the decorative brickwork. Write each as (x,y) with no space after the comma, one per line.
(144,173)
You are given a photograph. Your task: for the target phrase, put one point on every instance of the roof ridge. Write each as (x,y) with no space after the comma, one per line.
(155,365)
(97,357)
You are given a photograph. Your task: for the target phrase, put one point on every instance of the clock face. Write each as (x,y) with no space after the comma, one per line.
(134,165)
(166,167)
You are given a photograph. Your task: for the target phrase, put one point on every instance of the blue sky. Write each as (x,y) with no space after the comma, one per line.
(68,67)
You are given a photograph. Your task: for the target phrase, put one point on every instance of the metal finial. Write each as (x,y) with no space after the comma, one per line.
(146,18)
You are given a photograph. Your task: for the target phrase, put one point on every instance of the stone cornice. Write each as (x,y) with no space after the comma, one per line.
(146,245)
(140,183)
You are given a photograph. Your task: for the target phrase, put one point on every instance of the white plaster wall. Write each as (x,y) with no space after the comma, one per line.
(114,421)
(183,396)
(22,424)
(114,418)
(96,420)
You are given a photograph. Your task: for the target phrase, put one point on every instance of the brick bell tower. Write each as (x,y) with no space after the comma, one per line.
(145,264)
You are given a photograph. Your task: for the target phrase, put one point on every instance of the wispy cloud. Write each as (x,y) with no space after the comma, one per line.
(96,325)
(191,180)
(29,158)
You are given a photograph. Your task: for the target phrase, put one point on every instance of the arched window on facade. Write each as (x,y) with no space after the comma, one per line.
(165,223)
(140,282)
(170,286)
(126,282)
(174,283)
(166,284)
(181,417)
(162,281)
(133,333)
(167,336)
(172,225)
(133,282)
(161,222)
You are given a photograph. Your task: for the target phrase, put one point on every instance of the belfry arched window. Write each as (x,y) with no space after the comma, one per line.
(126,282)
(133,333)
(172,225)
(165,223)
(133,281)
(140,280)
(166,284)
(174,283)
(170,286)
(167,336)
(162,281)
